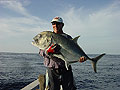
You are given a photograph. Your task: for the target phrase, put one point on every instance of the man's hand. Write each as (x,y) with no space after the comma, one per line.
(82,59)
(53,49)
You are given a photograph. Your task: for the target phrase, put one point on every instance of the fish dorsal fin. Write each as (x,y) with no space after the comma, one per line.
(52,40)
(75,39)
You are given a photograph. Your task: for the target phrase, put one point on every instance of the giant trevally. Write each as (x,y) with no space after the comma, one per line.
(70,51)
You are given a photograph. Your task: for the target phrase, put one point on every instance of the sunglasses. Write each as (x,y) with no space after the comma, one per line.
(57,23)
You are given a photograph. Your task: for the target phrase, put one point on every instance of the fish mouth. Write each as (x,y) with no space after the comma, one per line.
(33,42)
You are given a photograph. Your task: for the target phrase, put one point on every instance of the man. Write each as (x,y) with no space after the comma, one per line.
(57,72)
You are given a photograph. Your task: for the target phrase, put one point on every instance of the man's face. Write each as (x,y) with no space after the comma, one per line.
(57,27)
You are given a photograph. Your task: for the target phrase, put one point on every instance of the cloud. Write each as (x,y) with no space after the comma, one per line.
(20,24)
(18,30)
(105,20)
(99,29)
(15,6)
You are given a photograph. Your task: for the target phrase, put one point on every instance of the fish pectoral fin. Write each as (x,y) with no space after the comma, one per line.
(52,40)
(59,56)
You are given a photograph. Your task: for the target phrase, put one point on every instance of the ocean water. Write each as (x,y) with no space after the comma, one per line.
(19,69)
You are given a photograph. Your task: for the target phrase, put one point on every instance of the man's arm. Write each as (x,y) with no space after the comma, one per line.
(42,52)
(53,49)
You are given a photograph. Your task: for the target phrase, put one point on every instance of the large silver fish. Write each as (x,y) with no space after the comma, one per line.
(70,50)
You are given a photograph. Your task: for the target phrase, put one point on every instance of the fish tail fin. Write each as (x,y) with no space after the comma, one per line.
(94,61)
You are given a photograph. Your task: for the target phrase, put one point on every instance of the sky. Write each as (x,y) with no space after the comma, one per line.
(96,21)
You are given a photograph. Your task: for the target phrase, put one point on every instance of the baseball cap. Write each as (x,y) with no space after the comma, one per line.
(57,19)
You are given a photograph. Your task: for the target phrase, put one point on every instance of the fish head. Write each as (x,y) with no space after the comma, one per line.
(42,40)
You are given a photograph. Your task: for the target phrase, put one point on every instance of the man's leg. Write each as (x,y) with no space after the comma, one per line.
(68,80)
(54,82)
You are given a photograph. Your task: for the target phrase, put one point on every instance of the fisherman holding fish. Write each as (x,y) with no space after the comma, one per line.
(57,72)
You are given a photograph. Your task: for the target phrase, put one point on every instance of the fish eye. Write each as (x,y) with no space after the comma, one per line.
(39,35)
